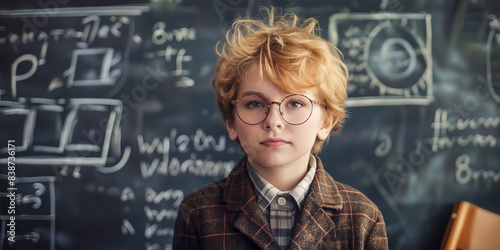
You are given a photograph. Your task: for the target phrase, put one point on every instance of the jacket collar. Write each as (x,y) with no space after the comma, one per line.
(240,197)
(323,194)
(324,188)
(315,223)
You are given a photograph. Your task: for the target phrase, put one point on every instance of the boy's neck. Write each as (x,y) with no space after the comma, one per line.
(284,178)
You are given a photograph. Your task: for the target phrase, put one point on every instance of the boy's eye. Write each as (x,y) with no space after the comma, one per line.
(254,104)
(294,104)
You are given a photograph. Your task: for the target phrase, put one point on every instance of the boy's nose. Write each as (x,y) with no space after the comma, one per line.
(273,119)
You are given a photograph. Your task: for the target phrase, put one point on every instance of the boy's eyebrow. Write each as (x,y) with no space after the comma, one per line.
(251,93)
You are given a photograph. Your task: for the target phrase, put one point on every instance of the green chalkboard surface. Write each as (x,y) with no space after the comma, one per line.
(109,119)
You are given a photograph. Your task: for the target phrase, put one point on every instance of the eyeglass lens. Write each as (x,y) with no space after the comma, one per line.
(294,109)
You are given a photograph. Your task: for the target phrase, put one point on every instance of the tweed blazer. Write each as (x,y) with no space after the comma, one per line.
(225,215)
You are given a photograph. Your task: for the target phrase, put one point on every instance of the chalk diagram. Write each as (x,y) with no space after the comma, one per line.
(65,132)
(75,130)
(388,57)
(493,60)
(71,131)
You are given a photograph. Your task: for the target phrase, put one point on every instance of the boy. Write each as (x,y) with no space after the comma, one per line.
(281,91)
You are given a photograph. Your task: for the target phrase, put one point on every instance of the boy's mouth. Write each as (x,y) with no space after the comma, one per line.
(274,142)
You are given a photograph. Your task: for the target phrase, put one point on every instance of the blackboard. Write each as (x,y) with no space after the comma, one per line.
(113,119)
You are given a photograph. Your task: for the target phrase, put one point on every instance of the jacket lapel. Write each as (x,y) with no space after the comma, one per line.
(314,223)
(240,197)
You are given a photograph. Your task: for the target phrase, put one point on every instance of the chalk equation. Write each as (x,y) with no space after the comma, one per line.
(175,57)
(387,55)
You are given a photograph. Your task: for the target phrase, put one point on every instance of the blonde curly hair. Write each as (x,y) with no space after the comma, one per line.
(291,53)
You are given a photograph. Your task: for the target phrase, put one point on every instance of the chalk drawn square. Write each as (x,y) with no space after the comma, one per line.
(47,129)
(388,57)
(91,67)
(87,130)
(16,124)
(91,131)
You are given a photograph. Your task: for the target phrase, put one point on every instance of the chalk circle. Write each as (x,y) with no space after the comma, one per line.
(395,57)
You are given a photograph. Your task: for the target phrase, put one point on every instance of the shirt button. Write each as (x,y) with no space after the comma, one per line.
(281,201)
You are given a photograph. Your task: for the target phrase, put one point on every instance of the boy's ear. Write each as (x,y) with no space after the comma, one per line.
(326,127)
(231,129)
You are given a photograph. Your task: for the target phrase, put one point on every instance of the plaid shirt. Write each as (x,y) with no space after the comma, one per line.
(281,209)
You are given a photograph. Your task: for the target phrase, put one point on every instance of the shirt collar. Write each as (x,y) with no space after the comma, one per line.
(266,191)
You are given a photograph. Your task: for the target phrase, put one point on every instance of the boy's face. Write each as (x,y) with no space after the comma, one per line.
(275,143)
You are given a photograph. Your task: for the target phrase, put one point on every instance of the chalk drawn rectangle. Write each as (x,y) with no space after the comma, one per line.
(91,67)
(47,129)
(87,130)
(389,57)
(16,124)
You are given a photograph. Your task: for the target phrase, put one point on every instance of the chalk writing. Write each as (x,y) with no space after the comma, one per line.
(183,143)
(177,57)
(442,126)
(464,174)
(154,230)
(92,27)
(200,142)
(161,36)
(193,165)
(154,197)
(160,215)
(173,56)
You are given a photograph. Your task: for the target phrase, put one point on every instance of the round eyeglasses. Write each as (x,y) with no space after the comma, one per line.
(294,109)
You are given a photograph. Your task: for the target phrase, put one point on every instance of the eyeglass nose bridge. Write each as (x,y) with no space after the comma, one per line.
(269,108)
